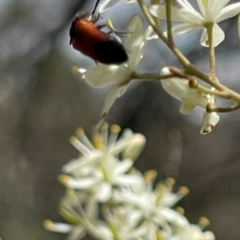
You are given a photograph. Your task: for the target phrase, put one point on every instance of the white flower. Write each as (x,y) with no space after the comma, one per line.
(119,76)
(190,98)
(151,208)
(81,212)
(105,174)
(211,11)
(99,169)
(124,224)
(154,206)
(179,89)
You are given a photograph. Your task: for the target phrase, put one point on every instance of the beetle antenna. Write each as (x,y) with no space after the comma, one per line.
(96,5)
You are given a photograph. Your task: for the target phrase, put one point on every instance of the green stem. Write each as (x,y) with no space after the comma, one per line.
(214,92)
(151,77)
(169,23)
(212,60)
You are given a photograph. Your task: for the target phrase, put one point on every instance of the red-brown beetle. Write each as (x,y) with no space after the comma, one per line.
(89,39)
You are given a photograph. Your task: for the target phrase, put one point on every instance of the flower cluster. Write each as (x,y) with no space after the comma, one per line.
(108,199)
(186,19)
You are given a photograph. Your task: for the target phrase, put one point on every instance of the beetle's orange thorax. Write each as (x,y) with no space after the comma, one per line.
(88,38)
(84,34)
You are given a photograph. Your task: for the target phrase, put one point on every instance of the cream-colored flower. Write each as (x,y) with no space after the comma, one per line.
(210,11)
(179,89)
(98,168)
(119,76)
(190,98)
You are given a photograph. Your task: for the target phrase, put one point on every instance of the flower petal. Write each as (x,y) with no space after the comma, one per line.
(57,227)
(185,4)
(213,9)
(135,42)
(77,232)
(218,36)
(173,217)
(229,12)
(104,192)
(114,93)
(105,5)
(201,7)
(178,14)
(80,183)
(191,17)
(183,28)
(103,75)
(209,122)
(179,89)
(123,166)
(128,180)
(186,107)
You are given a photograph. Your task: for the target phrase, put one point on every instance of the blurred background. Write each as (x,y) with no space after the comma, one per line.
(42,103)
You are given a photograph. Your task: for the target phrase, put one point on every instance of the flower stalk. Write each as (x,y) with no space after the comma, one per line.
(212,60)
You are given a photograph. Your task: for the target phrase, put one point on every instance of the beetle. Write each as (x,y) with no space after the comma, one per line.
(89,38)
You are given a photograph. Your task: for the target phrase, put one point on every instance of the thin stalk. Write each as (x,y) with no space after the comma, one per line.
(223,110)
(169,23)
(151,77)
(212,59)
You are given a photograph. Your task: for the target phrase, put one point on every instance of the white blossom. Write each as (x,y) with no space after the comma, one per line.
(119,76)
(154,205)
(210,11)
(81,213)
(190,98)
(99,169)
(179,89)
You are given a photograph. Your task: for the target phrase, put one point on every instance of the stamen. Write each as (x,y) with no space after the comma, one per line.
(203,222)
(80,146)
(170,183)
(98,141)
(104,133)
(114,131)
(48,224)
(180,210)
(83,138)
(183,191)
(150,175)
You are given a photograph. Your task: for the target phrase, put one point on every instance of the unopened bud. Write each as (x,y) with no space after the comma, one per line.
(135,147)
